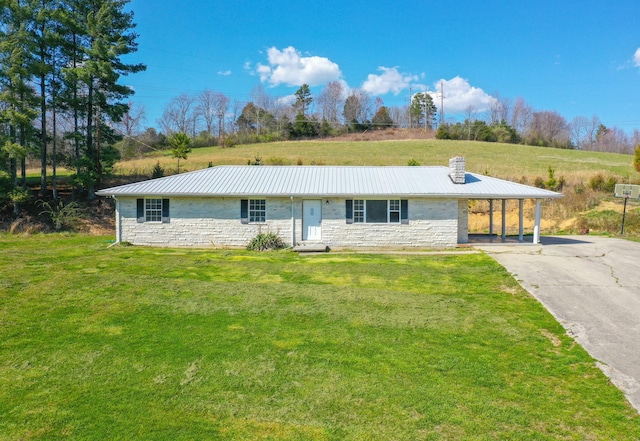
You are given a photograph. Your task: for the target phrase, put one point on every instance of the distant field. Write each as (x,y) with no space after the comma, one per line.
(171,344)
(501,160)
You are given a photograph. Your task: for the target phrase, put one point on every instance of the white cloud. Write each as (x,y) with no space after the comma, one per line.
(224,73)
(636,57)
(459,95)
(390,80)
(289,67)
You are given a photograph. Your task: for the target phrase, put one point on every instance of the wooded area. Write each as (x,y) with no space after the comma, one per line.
(60,65)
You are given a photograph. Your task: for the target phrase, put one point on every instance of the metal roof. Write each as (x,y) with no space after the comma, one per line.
(329,181)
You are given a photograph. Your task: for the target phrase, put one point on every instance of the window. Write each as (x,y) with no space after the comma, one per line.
(153,210)
(253,210)
(377,211)
(394,211)
(358,210)
(257,211)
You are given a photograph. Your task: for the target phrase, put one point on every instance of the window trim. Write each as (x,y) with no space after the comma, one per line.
(253,211)
(143,210)
(356,211)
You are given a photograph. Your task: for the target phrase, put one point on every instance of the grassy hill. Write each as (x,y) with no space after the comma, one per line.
(500,160)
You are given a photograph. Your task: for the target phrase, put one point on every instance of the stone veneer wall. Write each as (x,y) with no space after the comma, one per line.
(216,222)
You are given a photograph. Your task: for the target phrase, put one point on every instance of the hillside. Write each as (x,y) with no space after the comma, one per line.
(586,178)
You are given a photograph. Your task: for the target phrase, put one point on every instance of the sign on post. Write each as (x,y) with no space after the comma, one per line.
(626,191)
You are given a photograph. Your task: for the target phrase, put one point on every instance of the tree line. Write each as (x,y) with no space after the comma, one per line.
(211,118)
(60,96)
(518,122)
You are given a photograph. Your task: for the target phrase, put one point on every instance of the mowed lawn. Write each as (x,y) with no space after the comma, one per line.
(139,343)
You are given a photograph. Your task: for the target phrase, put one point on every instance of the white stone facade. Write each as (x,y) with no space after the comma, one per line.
(215,222)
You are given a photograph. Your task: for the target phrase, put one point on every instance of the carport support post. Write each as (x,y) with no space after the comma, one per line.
(521,220)
(504,220)
(490,218)
(536,227)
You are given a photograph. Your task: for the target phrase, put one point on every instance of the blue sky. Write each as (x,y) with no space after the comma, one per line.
(579,58)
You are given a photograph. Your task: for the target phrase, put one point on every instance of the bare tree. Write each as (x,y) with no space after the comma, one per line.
(400,116)
(331,100)
(549,129)
(132,120)
(470,114)
(612,140)
(499,109)
(207,109)
(180,115)
(583,132)
(521,116)
(130,125)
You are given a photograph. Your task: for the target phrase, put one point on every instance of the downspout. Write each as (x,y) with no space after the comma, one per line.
(118,223)
(293,225)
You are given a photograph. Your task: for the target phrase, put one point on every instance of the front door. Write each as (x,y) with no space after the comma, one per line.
(311,220)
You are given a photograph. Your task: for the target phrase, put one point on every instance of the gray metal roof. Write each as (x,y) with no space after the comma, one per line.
(329,181)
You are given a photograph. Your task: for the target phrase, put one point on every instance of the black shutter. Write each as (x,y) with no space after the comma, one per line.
(140,210)
(404,211)
(349,210)
(165,211)
(244,211)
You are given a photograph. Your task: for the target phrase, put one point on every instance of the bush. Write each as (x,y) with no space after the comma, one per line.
(61,215)
(266,242)
(599,183)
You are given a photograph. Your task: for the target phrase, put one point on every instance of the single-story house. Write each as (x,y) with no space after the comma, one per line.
(336,206)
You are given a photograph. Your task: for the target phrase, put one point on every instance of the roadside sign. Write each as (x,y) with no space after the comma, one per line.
(627,191)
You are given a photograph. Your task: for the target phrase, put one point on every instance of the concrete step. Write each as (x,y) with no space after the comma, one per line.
(311,248)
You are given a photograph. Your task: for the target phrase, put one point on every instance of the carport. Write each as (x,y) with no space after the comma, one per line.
(503,238)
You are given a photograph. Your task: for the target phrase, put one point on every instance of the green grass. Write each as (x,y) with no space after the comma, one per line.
(506,161)
(145,343)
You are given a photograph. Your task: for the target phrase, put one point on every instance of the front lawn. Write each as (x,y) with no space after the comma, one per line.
(172,344)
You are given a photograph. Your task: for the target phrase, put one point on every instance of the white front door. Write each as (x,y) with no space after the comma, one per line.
(311,220)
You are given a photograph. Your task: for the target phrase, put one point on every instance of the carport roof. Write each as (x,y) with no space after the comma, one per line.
(329,181)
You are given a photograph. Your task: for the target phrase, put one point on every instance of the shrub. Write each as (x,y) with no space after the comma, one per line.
(61,215)
(266,242)
(539,182)
(599,183)
(157,171)
(413,162)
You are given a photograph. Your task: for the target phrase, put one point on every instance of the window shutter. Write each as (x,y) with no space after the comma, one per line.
(140,211)
(349,211)
(404,211)
(244,211)
(165,211)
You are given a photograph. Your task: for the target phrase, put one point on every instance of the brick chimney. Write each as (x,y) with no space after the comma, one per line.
(456,170)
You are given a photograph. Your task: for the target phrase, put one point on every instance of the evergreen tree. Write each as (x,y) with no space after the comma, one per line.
(422,110)
(382,119)
(303,99)
(181,146)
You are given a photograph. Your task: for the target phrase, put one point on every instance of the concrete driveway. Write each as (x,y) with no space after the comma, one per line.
(592,287)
